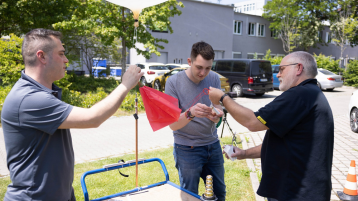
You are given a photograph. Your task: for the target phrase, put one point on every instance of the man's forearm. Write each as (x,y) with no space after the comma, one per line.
(243,115)
(97,114)
(182,121)
(254,152)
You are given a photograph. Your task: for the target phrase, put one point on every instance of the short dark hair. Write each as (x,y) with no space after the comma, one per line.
(202,48)
(35,40)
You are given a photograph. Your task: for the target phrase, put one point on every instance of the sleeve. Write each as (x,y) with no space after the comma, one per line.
(217,82)
(283,113)
(170,87)
(43,111)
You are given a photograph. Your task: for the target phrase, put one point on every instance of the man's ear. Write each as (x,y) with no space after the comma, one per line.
(41,56)
(189,61)
(300,69)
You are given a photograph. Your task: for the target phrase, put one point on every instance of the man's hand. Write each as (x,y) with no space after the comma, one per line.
(131,78)
(215,95)
(200,110)
(215,117)
(238,153)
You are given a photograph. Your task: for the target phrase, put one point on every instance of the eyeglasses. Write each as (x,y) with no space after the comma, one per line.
(280,69)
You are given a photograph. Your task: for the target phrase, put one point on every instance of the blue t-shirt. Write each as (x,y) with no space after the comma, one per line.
(199,131)
(39,155)
(297,150)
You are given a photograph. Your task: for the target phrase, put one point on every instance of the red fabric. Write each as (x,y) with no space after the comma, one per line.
(162,109)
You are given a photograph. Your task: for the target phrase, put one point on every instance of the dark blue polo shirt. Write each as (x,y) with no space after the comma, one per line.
(39,155)
(297,150)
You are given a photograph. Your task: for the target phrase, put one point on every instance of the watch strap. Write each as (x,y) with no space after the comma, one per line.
(222,98)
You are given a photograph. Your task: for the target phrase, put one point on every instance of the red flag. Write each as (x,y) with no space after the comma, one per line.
(161,109)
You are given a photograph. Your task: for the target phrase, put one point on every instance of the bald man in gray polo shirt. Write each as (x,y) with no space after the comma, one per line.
(36,122)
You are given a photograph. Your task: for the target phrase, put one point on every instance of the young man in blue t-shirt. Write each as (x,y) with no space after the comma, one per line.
(297,151)
(197,151)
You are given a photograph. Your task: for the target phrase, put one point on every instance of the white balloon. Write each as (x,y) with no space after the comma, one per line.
(136,6)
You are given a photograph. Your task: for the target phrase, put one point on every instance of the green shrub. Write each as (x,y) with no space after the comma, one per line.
(85,84)
(327,63)
(11,62)
(351,74)
(274,60)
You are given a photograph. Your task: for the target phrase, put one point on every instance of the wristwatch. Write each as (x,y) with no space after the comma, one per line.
(222,98)
(188,115)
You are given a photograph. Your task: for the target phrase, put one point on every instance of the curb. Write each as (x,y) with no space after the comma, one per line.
(253,176)
(349,87)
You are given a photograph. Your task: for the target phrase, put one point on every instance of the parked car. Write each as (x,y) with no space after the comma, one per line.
(353,111)
(246,76)
(328,80)
(276,82)
(151,70)
(172,66)
(159,82)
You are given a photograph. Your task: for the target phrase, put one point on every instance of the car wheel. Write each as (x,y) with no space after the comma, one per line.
(237,89)
(142,81)
(260,94)
(319,85)
(157,85)
(354,120)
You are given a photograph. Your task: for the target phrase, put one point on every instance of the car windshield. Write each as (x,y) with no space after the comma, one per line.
(158,68)
(259,68)
(326,72)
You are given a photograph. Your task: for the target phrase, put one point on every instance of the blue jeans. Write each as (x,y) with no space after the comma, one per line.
(195,162)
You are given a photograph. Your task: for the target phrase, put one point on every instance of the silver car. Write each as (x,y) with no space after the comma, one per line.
(328,80)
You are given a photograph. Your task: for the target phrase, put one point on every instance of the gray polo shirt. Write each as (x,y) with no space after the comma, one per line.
(199,131)
(39,155)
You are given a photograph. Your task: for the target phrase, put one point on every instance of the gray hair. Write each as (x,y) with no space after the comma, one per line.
(35,40)
(307,60)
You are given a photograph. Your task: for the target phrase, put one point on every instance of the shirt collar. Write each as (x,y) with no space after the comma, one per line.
(308,81)
(56,91)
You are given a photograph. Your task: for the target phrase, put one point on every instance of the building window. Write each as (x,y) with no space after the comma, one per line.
(319,35)
(250,55)
(158,29)
(328,37)
(274,33)
(260,55)
(261,28)
(251,29)
(237,27)
(253,6)
(250,7)
(236,55)
(244,8)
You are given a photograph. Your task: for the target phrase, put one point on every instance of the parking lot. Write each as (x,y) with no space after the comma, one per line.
(116,136)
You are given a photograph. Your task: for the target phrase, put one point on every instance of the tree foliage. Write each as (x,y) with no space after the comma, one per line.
(21,16)
(274,60)
(106,22)
(11,62)
(351,74)
(298,21)
(327,63)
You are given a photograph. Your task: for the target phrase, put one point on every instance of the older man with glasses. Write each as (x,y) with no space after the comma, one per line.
(297,151)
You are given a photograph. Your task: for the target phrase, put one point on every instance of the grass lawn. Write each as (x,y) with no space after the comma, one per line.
(237,176)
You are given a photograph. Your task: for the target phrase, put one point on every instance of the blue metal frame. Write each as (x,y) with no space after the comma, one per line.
(85,192)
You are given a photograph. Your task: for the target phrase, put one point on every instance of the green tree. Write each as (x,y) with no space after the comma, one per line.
(327,63)
(285,16)
(351,74)
(274,60)
(299,21)
(344,27)
(11,62)
(105,23)
(20,16)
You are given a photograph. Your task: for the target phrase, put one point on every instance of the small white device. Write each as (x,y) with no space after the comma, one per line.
(229,149)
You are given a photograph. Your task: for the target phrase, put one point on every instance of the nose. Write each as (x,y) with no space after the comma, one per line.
(66,60)
(278,74)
